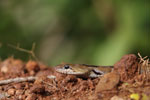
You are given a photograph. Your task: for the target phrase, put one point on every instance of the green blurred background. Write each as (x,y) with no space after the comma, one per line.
(95,32)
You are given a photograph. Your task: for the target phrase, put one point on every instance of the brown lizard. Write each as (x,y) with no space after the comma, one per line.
(83,70)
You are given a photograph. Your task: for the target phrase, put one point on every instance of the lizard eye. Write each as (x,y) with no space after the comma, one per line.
(66,66)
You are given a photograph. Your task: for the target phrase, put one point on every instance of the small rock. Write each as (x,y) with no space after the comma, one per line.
(27,92)
(32,65)
(19,92)
(108,82)
(11,91)
(3,95)
(116,98)
(4,69)
(19,86)
(20,97)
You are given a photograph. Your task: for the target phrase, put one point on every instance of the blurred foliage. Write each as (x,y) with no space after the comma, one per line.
(80,31)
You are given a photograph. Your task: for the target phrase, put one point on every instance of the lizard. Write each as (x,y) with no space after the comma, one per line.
(83,70)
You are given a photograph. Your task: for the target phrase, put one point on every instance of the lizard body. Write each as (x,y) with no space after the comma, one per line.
(83,70)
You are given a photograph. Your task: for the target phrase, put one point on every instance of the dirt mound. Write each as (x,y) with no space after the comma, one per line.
(35,81)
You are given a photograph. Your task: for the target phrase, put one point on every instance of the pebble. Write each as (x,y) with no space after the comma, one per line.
(107,82)
(11,91)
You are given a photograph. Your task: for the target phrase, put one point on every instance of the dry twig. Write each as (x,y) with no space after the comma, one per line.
(17,80)
(31,52)
(144,65)
(22,79)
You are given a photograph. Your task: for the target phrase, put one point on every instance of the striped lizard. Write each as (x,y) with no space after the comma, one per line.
(83,70)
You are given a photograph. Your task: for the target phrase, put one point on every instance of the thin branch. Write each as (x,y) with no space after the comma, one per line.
(142,59)
(17,80)
(33,47)
(22,79)
(31,52)
(144,66)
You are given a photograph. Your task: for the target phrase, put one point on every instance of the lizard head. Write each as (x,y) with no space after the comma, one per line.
(74,69)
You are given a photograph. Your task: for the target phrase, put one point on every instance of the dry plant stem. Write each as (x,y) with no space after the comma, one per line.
(31,52)
(17,80)
(144,66)
(22,79)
